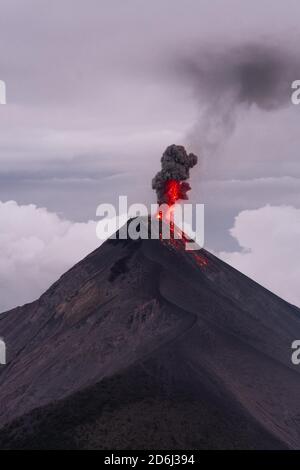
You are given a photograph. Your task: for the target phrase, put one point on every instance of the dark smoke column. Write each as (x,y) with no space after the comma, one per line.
(170,183)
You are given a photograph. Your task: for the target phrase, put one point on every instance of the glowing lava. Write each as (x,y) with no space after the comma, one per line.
(172,191)
(171,186)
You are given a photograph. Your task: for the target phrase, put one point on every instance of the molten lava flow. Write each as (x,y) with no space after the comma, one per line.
(173,191)
(171,185)
(200,260)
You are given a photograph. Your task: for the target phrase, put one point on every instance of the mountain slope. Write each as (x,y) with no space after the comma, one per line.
(142,345)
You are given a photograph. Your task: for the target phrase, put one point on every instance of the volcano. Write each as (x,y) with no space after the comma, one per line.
(143,345)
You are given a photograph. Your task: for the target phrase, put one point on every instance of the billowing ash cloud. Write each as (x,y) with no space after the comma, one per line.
(240,77)
(170,183)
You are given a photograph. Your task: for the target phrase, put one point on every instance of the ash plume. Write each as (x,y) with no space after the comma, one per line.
(170,183)
(225,81)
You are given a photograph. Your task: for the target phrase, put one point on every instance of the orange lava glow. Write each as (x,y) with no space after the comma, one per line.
(172,191)
(178,240)
(200,260)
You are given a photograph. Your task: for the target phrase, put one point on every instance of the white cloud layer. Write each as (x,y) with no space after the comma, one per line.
(36,247)
(269,238)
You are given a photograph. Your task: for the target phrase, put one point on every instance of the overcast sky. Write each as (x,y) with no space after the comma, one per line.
(97,89)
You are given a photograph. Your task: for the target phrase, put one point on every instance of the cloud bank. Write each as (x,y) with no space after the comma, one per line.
(36,247)
(269,239)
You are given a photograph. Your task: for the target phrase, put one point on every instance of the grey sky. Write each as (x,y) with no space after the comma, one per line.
(97,89)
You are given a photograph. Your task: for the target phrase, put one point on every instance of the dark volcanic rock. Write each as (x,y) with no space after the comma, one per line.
(145,345)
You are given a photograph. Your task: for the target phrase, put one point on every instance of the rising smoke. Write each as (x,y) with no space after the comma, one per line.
(226,80)
(171,183)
